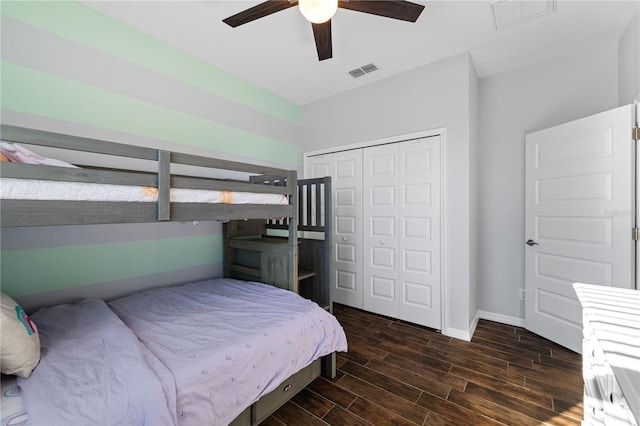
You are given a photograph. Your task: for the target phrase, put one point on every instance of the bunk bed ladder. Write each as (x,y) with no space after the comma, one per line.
(289,223)
(292,182)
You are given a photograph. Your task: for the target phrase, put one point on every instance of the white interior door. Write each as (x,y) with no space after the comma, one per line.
(579,215)
(345,169)
(401,239)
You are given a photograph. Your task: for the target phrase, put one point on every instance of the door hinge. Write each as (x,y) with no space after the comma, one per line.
(635,134)
(635,234)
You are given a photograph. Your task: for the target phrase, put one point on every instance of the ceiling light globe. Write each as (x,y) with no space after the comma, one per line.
(318,11)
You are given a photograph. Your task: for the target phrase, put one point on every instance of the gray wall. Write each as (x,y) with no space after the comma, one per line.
(629,62)
(474,141)
(430,97)
(502,109)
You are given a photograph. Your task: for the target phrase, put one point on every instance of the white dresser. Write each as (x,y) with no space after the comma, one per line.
(610,354)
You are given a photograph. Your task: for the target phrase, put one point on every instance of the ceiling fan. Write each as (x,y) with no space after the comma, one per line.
(320,12)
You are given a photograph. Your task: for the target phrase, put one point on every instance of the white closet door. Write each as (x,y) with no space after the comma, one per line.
(345,169)
(401,238)
(419,222)
(380,236)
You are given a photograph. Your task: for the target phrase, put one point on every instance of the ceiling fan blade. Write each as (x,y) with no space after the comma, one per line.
(322,34)
(259,11)
(403,10)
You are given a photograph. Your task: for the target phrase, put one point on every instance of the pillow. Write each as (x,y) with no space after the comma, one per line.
(20,154)
(19,340)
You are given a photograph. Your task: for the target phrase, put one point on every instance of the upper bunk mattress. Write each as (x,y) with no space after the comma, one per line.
(33,189)
(228,342)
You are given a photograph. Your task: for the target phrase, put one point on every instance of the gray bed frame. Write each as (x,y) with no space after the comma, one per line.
(16,213)
(31,213)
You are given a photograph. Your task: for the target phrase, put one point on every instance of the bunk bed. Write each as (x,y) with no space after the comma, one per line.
(173,175)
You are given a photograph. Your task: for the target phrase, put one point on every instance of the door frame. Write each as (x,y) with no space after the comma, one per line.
(636,119)
(441,132)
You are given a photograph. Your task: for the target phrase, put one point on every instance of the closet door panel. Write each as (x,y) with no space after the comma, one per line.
(401,216)
(380,235)
(345,169)
(419,240)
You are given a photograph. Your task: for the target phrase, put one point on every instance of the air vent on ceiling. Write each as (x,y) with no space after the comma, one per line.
(369,68)
(357,73)
(365,69)
(507,13)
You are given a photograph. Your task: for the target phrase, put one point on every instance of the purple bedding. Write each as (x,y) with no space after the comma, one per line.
(228,342)
(94,371)
(190,355)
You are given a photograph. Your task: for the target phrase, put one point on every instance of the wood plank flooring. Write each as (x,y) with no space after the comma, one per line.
(396,373)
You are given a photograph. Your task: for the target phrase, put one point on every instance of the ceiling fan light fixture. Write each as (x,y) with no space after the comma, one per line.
(318,11)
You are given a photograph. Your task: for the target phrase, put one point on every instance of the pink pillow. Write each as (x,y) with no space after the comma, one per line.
(20,154)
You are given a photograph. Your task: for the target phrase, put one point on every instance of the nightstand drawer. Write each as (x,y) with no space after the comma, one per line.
(273,400)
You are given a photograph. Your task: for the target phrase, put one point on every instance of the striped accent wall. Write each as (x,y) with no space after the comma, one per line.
(67,68)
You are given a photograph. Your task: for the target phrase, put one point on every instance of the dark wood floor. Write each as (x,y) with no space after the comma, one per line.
(400,374)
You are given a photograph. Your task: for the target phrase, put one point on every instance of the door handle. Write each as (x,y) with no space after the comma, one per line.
(531,243)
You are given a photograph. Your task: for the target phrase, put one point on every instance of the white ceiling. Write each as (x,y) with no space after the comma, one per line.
(278,52)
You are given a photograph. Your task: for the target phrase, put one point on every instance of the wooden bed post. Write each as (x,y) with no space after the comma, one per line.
(292,183)
(328,238)
(328,362)
(164,185)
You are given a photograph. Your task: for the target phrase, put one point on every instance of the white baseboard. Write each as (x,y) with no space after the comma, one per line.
(504,319)
(474,324)
(457,333)
(468,334)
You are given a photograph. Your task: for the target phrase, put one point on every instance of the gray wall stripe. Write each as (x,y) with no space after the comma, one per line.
(77,129)
(56,55)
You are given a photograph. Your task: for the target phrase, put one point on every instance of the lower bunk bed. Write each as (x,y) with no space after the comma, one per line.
(213,352)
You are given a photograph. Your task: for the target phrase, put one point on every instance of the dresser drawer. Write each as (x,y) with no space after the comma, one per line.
(616,408)
(285,390)
(592,354)
(593,402)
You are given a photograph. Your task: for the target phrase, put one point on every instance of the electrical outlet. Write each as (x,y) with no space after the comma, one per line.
(522,294)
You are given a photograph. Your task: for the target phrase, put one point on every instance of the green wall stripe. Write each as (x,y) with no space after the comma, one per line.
(90,27)
(26,272)
(30,91)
